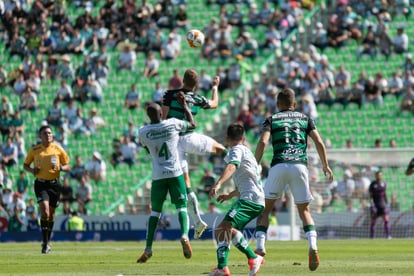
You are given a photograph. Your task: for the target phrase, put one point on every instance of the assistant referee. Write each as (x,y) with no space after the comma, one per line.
(48,159)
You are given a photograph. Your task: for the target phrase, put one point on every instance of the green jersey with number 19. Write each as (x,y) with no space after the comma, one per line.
(162,142)
(246,177)
(289,134)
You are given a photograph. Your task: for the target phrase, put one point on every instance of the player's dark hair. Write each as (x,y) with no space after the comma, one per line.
(154,112)
(190,79)
(235,132)
(286,97)
(43,128)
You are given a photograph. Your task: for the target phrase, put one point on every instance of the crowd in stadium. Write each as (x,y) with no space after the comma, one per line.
(44,38)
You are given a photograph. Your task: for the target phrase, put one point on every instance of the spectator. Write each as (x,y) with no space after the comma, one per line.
(209,49)
(316,205)
(94,90)
(9,153)
(77,43)
(381,83)
(28,100)
(33,223)
(223,49)
(308,107)
(5,124)
(64,92)
(129,151)
(20,85)
(22,184)
(273,39)
(346,187)
(127,58)
(151,66)
(384,44)
(342,84)
(181,18)
(369,45)
(400,41)
(18,202)
(204,82)
(34,82)
(319,37)
(207,181)
(55,114)
(169,49)
(77,124)
(31,207)
(17,124)
(77,170)
(84,192)
(175,81)
(16,220)
(75,222)
(249,46)
(336,36)
(407,102)
(66,194)
(66,71)
(377,143)
(408,64)
(96,168)
(133,98)
(212,208)
(69,111)
(395,85)
(116,156)
(245,117)
(372,94)
(158,93)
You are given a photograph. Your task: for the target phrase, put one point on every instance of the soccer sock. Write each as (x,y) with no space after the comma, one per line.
(240,242)
(152,226)
(223,251)
(224,153)
(192,207)
(260,237)
(311,235)
(183,220)
(45,230)
(387,228)
(50,229)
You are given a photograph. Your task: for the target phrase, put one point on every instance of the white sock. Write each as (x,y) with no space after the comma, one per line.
(312,237)
(192,206)
(260,240)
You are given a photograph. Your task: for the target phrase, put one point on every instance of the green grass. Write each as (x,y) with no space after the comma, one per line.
(338,257)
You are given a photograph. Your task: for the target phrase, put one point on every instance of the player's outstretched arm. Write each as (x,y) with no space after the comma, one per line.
(214,102)
(320,147)
(261,145)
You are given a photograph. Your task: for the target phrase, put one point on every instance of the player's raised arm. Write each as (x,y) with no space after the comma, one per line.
(214,102)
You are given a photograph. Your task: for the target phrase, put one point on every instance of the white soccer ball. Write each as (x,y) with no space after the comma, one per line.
(195,38)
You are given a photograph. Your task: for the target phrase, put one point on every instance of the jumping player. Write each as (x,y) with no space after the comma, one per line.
(192,142)
(161,138)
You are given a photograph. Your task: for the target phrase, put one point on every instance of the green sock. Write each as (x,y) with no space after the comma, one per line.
(152,226)
(241,244)
(223,252)
(224,153)
(188,190)
(183,219)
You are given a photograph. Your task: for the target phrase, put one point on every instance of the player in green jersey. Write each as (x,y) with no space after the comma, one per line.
(192,142)
(288,131)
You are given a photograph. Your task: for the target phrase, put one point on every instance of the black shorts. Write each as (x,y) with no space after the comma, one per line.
(48,191)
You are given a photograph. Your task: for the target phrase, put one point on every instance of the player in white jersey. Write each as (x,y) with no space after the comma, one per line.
(161,138)
(242,166)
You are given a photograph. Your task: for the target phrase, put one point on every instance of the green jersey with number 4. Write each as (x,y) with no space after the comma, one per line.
(162,142)
(289,134)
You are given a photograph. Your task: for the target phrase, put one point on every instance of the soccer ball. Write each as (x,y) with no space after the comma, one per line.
(195,38)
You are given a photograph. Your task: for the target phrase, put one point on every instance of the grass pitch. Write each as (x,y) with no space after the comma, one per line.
(338,257)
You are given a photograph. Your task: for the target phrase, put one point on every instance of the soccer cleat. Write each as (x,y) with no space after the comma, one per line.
(313,259)
(144,257)
(220,272)
(46,248)
(186,248)
(199,229)
(260,252)
(255,264)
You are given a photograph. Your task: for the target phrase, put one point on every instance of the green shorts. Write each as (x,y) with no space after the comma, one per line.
(175,186)
(242,212)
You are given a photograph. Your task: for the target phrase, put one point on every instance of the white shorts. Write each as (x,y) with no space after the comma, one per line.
(194,143)
(293,175)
